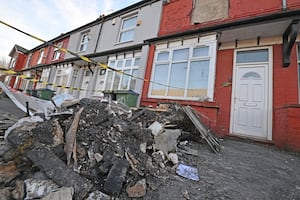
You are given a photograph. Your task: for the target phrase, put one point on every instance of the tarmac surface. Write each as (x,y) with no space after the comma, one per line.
(242,170)
(7,107)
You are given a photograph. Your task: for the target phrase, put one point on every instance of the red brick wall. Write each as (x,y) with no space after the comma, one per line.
(293,4)
(20,62)
(293,125)
(176,16)
(246,8)
(49,58)
(148,73)
(286,116)
(287,127)
(285,79)
(223,89)
(35,57)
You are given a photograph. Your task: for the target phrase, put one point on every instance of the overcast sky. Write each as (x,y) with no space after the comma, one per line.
(47,19)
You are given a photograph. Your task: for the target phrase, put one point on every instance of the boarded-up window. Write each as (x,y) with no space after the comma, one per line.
(209,10)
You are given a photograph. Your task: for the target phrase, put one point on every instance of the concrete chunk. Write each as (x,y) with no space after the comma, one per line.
(116,177)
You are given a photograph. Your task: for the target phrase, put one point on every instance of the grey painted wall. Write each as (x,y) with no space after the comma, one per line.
(150,20)
(76,37)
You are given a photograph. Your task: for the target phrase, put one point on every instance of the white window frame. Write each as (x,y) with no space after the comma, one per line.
(123,68)
(41,56)
(44,78)
(212,68)
(83,43)
(56,52)
(12,63)
(62,75)
(127,29)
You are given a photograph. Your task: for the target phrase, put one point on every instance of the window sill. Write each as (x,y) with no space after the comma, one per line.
(204,104)
(119,43)
(198,99)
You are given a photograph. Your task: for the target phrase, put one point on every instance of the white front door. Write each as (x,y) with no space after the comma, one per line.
(250,99)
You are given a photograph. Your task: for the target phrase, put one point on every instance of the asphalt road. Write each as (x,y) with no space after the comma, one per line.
(242,170)
(7,107)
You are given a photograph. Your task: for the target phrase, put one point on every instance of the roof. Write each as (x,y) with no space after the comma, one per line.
(99,20)
(19,49)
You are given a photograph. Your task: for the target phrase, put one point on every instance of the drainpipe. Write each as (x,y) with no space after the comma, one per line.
(100,30)
(284,7)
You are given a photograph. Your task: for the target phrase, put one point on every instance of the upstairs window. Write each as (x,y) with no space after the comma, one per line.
(127,29)
(12,63)
(84,42)
(41,56)
(57,52)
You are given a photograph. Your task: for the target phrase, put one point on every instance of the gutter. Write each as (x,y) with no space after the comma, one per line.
(93,55)
(229,25)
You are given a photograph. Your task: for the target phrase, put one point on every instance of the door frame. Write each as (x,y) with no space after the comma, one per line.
(269,94)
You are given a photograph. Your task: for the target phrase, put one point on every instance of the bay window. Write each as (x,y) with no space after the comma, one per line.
(121,81)
(184,72)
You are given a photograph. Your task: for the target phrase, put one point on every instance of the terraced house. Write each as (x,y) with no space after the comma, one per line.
(235,61)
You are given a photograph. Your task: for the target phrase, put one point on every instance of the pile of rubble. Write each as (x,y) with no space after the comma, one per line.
(100,150)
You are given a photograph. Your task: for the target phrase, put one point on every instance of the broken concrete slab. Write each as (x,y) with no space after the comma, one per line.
(26,123)
(49,163)
(156,128)
(116,177)
(137,190)
(36,188)
(64,193)
(167,140)
(58,171)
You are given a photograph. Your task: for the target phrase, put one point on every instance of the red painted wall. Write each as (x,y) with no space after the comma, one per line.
(223,89)
(48,54)
(35,57)
(49,58)
(285,79)
(176,16)
(286,132)
(293,4)
(20,62)
(286,116)
(246,8)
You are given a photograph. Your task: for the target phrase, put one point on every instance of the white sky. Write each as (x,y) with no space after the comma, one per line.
(47,19)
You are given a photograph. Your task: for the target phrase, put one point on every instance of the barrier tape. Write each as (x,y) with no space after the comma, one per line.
(86,59)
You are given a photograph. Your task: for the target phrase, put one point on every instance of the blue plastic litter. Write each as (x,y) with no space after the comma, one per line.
(187,172)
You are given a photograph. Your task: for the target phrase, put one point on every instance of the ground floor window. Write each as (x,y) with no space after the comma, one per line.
(184,71)
(44,78)
(120,80)
(61,79)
